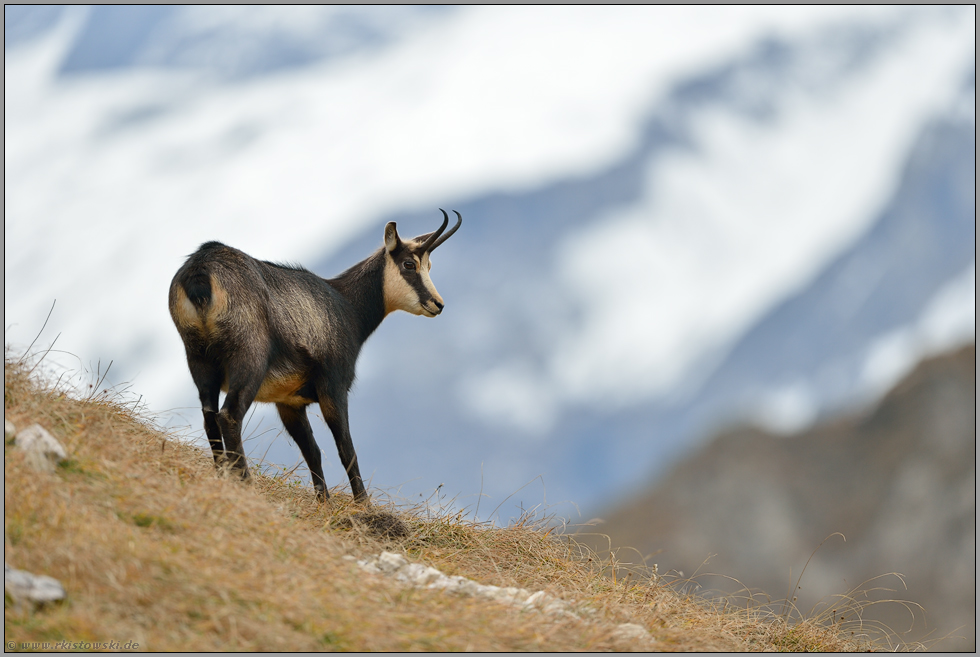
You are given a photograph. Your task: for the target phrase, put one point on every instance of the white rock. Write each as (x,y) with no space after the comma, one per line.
(9,430)
(511,595)
(417,574)
(547,603)
(389,562)
(466,587)
(443,582)
(25,587)
(43,450)
(539,599)
(632,632)
(369,567)
(487,591)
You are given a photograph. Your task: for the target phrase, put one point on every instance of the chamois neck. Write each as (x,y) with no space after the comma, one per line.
(363,287)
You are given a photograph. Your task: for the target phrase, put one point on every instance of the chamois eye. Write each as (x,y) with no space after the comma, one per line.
(409,265)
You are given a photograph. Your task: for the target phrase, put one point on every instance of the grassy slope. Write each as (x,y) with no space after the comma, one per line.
(153,547)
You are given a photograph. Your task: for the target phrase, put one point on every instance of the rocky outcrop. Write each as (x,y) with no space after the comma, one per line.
(44,452)
(417,575)
(29,590)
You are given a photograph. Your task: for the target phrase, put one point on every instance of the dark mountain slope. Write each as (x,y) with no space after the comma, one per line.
(899,481)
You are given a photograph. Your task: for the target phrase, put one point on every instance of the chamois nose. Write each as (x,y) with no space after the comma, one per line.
(438,304)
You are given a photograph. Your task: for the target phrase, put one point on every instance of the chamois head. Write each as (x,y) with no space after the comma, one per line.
(407,285)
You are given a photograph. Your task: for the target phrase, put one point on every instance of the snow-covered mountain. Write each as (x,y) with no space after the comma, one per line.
(672,217)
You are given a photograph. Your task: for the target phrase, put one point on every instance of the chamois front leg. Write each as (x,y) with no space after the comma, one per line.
(298,425)
(336,416)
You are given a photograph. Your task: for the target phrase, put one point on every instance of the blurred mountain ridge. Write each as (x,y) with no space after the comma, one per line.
(898,480)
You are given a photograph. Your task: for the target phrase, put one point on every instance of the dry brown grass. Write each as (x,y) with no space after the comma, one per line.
(154,547)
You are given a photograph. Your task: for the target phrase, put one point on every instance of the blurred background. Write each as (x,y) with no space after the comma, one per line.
(704,252)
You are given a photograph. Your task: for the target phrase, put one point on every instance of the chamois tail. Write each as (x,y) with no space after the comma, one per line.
(196,296)
(197,287)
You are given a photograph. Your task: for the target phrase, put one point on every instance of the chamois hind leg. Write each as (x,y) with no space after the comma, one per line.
(244,380)
(298,425)
(335,413)
(207,377)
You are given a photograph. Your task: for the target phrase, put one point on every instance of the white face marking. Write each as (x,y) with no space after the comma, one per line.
(399,295)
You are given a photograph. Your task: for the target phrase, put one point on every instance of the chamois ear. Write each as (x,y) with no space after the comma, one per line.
(392,241)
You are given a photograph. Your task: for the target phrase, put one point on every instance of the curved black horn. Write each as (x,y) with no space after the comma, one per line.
(459,222)
(427,245)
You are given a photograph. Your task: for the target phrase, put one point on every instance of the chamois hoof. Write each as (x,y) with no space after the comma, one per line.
(229,465)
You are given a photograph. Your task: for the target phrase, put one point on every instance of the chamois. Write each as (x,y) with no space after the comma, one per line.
(261,331)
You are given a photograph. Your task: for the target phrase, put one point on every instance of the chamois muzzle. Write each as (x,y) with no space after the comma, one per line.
(432,307)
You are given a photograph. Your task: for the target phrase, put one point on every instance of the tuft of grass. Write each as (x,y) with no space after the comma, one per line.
(154,547)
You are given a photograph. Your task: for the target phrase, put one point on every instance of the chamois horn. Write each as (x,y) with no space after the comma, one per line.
(440,240)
